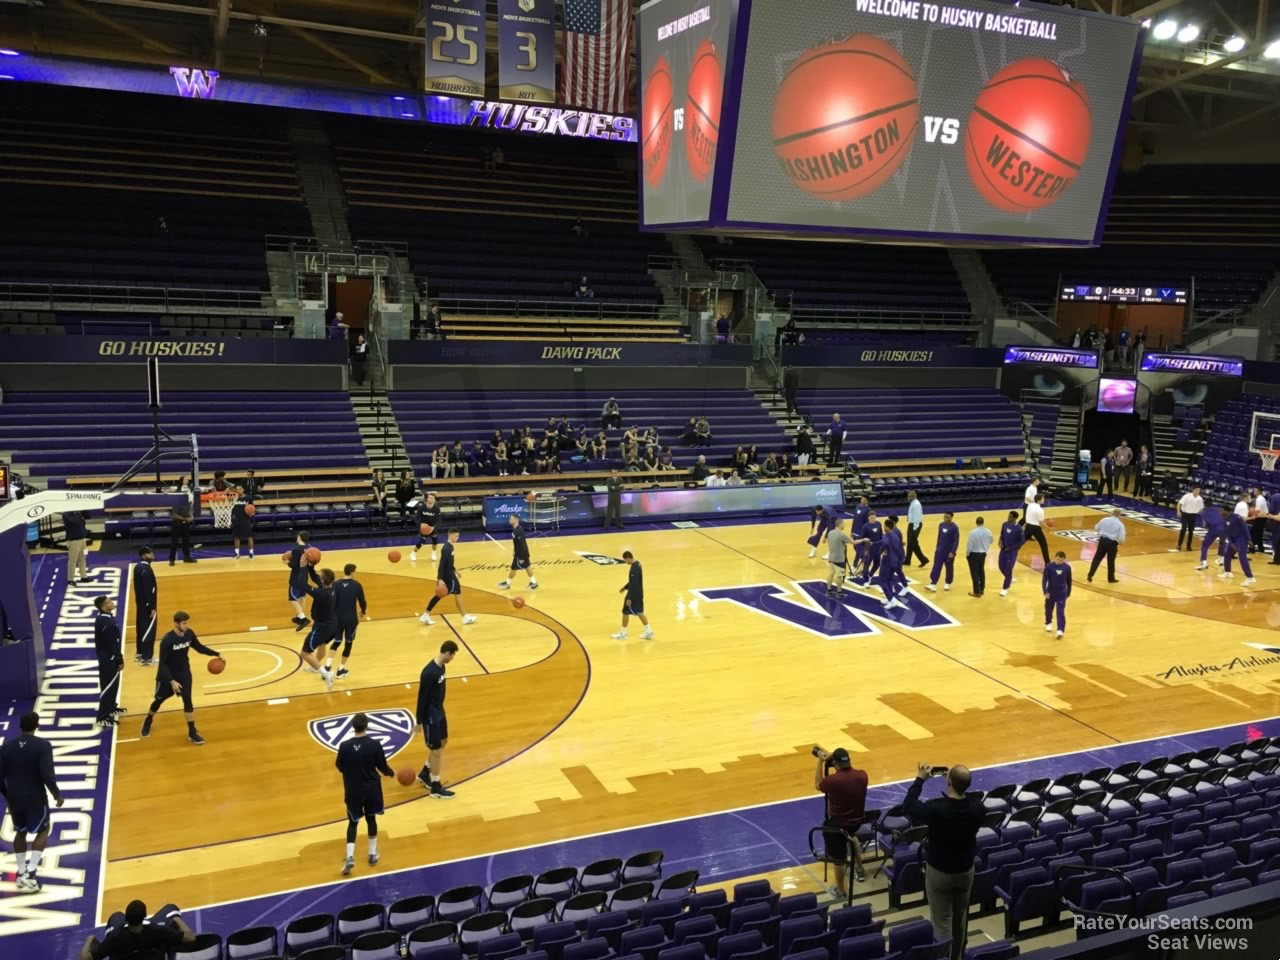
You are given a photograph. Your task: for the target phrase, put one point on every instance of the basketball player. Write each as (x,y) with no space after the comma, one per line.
(324,628)
(431,718)
(944,553)
(428,516)
(837,554)
(1011,540)
(173,676)
(26,772)
(894,533)
(300,572)
(633,602)
(1238,543)
(520,556)
(1056,583)
(241,526)
(1215,529)
(144,603)
(891,558)
(106,644)
(819,523)
(872,533)
(447,574)
(347,595)
(360,760)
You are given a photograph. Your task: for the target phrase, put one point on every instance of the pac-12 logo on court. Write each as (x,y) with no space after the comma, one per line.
(855,612)
(1084,536)
(391,728)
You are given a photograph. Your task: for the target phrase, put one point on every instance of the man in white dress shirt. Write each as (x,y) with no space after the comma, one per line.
(1029,495)
(1110,536)
(1189,509)
(1258,522)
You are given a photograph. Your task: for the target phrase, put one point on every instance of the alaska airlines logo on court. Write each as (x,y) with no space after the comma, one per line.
(391,728)
(855,612)
(1234,665)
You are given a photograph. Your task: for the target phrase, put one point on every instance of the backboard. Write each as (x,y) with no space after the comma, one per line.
(1264,431)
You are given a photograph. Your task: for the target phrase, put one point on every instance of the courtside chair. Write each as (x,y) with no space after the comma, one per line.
(678,886)
(802,905)
(611,926)
(527,916)
(408,914)
(502,947)
(642,866)
(442,933)
(789,931)
(646,942)
(688,927)
(714,902)
(580,907)
(307,932)
(480,927)
(601,875)
(380,945)
(459,903)
(509,891)
(559,883)
(736,945)
(357,919)
(252,943)
(206,946)
(324,953)
(554,937)
(634,896)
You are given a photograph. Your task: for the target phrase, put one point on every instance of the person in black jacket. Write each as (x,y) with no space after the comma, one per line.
(173,675)
(26,773)
(144,604)
(431,718)
(77,538)
(953,820)
(106,644)
(613,500)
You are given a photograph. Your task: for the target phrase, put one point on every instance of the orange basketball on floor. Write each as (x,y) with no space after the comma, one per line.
(426,529)
(393,556)
(517,602)
(405,776)
(655,115)
(1028,135)
(250,509)
(845,117)
(702,110)
(441,589)
(313,555)
(217,665)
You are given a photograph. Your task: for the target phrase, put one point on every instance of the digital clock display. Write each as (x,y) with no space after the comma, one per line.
(1101,294)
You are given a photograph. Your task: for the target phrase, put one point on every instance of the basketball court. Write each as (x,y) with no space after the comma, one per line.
(558,731)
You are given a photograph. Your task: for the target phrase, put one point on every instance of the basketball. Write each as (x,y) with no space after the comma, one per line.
(530,497)
(845,117)
(1049,524)
(426,529)
(1028,135)
(656,115)
(702,110)
(250,509)
(517,602)
(442,590)
(405,776)
(393,556)
(217,665)
(312,555)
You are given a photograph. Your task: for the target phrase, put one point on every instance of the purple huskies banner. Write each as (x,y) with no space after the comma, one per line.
(527,50)
(126,350)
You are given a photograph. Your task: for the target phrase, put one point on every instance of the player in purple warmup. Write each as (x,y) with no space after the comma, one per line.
(891,557)
(1238,534)
(873,533)
(1056,582)
(819,524)
(944,554)
(1011,540)
(1215,530)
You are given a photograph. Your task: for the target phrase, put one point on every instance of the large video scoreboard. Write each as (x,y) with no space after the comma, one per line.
(883,118)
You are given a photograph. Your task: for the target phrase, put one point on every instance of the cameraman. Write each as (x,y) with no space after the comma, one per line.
(846,792)
(953,820)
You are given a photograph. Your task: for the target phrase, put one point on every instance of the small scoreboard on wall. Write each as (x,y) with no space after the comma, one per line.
(981,121)
(1098,294)
(5,483)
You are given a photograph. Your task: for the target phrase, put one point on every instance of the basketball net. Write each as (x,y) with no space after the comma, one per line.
(221,503)
(1269,458)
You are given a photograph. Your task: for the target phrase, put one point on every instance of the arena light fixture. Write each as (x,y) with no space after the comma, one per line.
(1273,50)
(1147,23)
(1188,33)
(6,76)
(1233,44)
(398,99)
(1165,29)
(6,52)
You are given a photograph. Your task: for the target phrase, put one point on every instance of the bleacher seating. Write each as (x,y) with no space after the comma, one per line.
(1226,466)
(143,324)
(1044,424)
(84,200)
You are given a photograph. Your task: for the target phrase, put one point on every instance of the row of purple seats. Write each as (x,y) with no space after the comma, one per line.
(950,487)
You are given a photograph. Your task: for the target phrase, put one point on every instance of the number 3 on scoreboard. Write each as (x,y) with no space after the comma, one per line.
(447,35)
(530,49)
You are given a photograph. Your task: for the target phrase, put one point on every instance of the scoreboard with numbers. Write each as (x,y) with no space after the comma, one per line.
(5,482)
(1100,294)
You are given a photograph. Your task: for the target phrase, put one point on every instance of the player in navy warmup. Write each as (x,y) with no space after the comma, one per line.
(873,533)
(26,772)
(1238,534)
(323,630)
(1056,582)
(891,558)
(1273,524)
(447,574)
(360,761)
(944,554)
(1011,540)
(1215,530)
(106,644)
(819,523)
(520,554)
(428,516)
(432,719)
(894,532)
(300,572)
(241,525)
(633,602)
(347,595)
(144,607)
(173,676)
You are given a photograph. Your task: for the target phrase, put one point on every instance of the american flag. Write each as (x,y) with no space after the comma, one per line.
(597,54)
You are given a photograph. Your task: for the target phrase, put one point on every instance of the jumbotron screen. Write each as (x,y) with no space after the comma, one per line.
(900,118)
(684,47)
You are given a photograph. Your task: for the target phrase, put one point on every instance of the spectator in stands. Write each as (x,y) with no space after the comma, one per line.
(703,432)
(73,524)
(953,820)
(518,454)
(1124,464)
(784,466)
(716,479)
(1146,471)
(629,436)
(690,435)
(610,414)
(1109,348)
(359,358)
(481,459)
(440,466)
(459,462)
(406,492)
(583,290)
(790,387)
(739,459)
(1122,346)
(599,447)
(835,439)
(699,472)
(631,455)
(581,441)
(250,487)
(1107,471)
(564,433)
(806,449)
(579,230)
(433,322)
(132,936)
(378,491)
(500,458)
(649,435)
(769,469)
(338,328)
(180,521)
(546,457)
(667,462)
(846,799)
(722,327)
(1139,346)
(650,462)
(1075,340)
(753,457)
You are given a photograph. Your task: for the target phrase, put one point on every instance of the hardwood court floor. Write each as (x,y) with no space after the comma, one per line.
(559,731)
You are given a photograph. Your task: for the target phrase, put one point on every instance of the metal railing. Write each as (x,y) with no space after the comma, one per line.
(879,318)
(584,309)
(122,297)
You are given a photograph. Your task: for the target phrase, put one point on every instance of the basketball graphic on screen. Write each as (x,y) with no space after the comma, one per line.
(656,114)
(702,110)
(1028,135)
(845,117)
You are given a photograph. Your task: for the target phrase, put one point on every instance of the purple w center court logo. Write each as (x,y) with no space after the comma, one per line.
(391,728)
(854,612)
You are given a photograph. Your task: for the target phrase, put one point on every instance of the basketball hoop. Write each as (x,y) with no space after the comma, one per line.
(1269,458)
(221,503)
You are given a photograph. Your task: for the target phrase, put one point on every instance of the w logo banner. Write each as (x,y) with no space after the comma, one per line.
(854,612)
(194,83)
(391,728)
